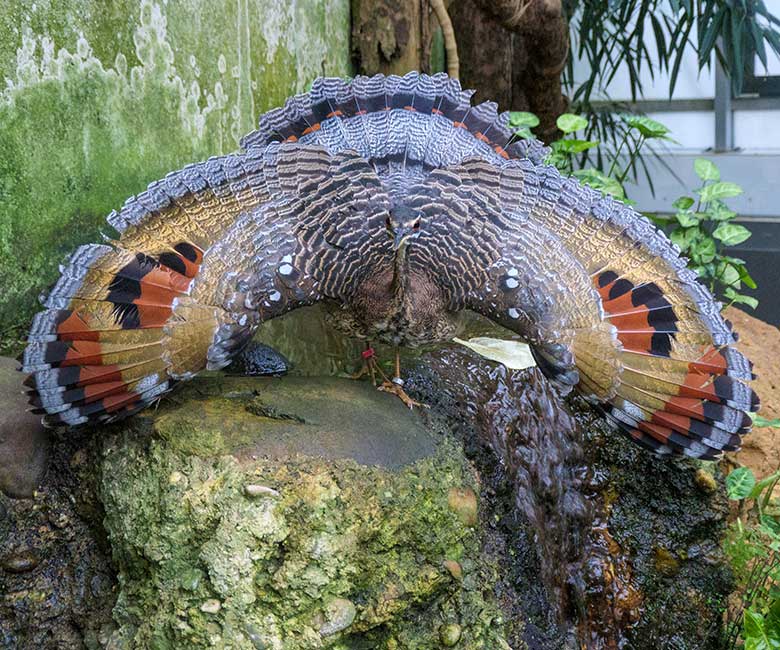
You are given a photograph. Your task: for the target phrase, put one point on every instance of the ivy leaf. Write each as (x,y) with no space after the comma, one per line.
(523,132)
(569,123)
(523,118)
(722,190)
(600,181)
(706,169)
(646,126)
(731,234)
(683,203)
(740,483)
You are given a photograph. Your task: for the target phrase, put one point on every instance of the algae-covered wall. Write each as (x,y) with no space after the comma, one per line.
(102,97)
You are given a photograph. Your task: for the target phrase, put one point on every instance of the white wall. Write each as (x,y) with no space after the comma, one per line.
(754,131)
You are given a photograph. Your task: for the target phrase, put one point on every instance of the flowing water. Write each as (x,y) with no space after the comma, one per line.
(588,596)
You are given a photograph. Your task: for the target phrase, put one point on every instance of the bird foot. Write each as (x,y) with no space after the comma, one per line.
(397,390)
(369,366)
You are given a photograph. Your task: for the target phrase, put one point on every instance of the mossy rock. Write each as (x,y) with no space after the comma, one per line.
(239,517)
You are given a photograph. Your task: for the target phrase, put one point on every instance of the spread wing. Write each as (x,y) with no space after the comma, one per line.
(211,251)
(602,295)
(203,257)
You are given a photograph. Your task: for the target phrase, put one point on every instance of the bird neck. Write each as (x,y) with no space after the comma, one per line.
(400,273)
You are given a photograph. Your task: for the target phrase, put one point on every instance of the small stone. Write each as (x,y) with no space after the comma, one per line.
(24,442)
(463,502)
(20,562)
(705,480)
(253,491)
(456,571)
(449,634)
(256,637)
(211,606)
(339,614)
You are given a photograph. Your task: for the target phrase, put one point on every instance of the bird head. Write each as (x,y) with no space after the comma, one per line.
(403,225)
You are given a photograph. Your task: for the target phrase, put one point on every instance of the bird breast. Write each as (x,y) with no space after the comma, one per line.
(414,316)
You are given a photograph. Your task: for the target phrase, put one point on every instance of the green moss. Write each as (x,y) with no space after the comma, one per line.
(344,556)
(103,98)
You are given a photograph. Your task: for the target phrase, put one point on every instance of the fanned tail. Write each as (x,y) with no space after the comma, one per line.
(102,348)
(680,386)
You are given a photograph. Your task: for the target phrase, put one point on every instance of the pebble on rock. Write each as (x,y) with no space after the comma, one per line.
(456,571)
(254,491)
(211,606)
(463,502)
(449,634)
(20,562)
(339,614)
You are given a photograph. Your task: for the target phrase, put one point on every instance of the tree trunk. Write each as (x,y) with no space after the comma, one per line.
(510,51)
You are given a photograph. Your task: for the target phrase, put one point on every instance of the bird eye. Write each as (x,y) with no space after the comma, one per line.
(416,225)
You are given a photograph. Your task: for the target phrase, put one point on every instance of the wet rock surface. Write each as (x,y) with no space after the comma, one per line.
(24,443)
(307,513)
(604,545)
(57,583)
(298,514)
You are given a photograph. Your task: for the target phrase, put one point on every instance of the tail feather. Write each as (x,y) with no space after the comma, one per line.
(98,351)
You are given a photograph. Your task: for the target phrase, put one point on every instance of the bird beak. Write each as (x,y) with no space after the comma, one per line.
(400,238)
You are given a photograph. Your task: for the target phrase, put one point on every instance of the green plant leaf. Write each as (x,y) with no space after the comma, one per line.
(683,203)
(763,484)
(686,218)
(576,146)
(731,233)
(718,211)
(740,298)
(523,132)
(523,118)
(600,181)
(744,276)
(683,237)
(759,421)
(740,483)
(728,274)
(721,190)
(569,123)
(647,127)
(753,631)
(706,169)
(705,250)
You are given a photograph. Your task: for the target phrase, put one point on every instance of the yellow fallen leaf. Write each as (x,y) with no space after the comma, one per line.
(512,354)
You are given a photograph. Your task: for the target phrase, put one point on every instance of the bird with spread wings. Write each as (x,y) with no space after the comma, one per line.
(399,205)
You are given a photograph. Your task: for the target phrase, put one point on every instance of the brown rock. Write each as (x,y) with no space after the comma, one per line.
(760,342)
(24,444)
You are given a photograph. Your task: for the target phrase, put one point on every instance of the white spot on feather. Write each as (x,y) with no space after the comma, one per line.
(275,296)
(512,283)
(513,313)
(285,269)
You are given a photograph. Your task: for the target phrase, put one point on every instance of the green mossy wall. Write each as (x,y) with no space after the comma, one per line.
(100,98)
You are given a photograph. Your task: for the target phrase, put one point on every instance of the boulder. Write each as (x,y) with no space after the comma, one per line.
(24,442)
(294,514)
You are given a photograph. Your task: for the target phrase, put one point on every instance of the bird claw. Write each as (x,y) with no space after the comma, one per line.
(398,391)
